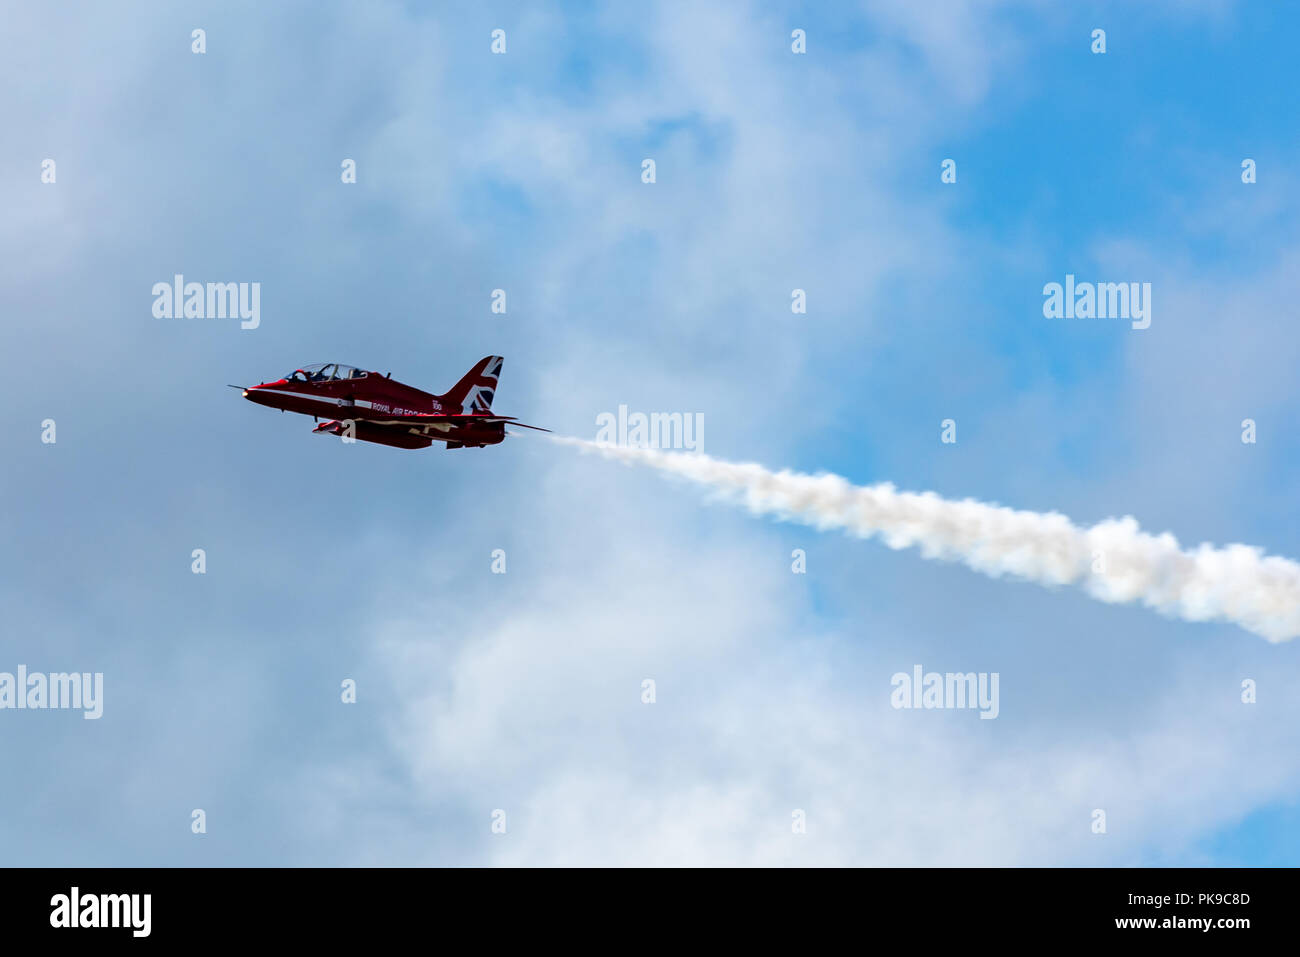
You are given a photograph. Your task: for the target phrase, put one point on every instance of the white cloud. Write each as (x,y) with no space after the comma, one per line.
(532,705)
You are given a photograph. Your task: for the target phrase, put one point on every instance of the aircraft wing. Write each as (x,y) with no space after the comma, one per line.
(439,421)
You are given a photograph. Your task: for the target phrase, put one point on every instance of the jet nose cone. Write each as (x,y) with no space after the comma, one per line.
(261,394)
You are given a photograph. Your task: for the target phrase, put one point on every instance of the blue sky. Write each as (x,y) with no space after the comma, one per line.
(521,171)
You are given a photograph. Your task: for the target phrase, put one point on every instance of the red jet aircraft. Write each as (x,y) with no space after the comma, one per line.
(377,408)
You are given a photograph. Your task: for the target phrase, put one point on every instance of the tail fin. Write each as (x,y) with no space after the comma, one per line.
(474,392)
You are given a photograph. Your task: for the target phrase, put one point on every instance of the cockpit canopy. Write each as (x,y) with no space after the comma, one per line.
(325,371)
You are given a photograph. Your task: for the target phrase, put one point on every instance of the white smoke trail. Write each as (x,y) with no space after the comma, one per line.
(1114,561)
